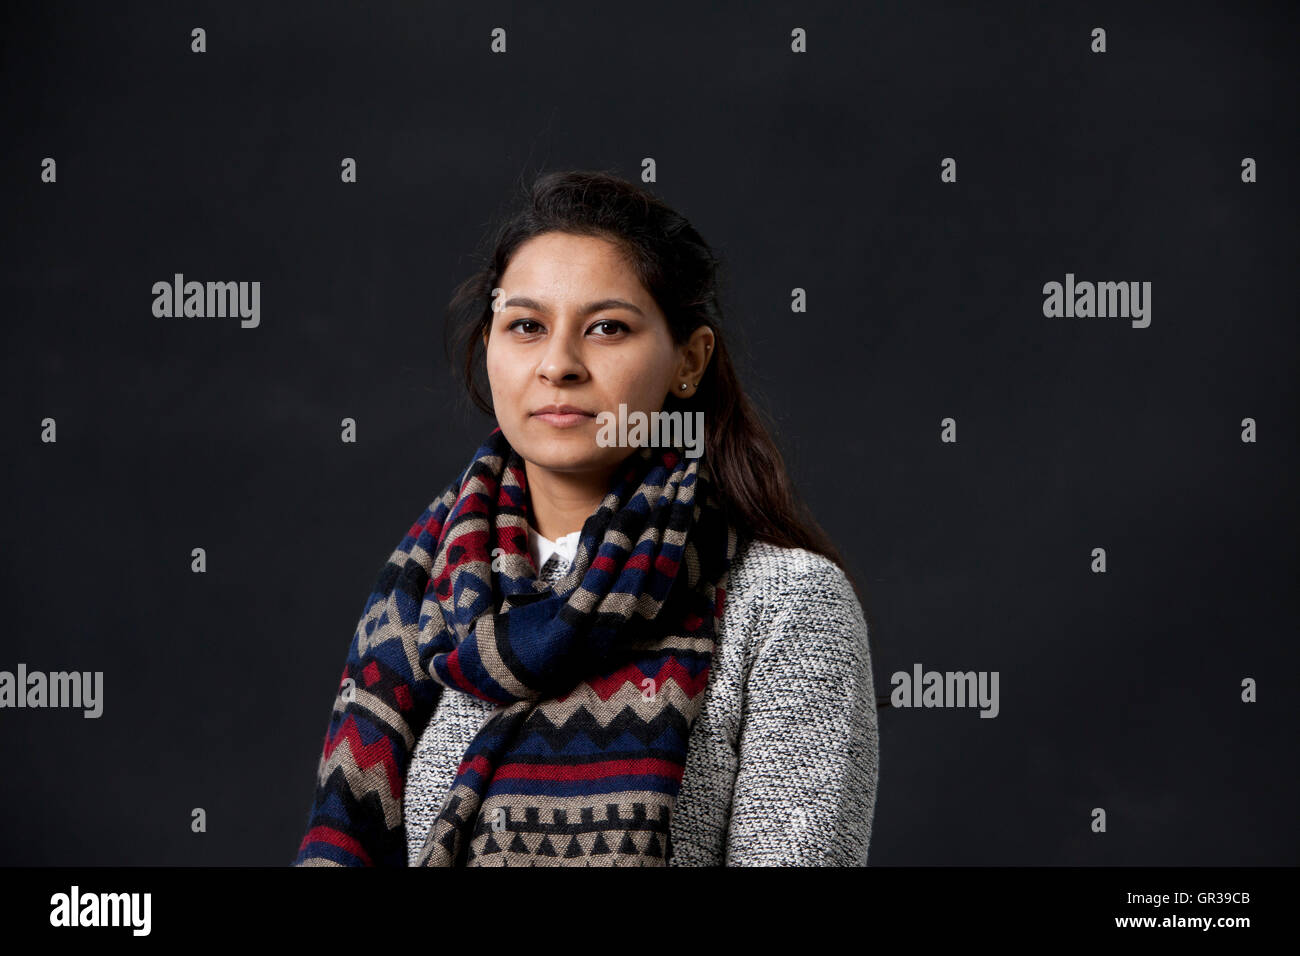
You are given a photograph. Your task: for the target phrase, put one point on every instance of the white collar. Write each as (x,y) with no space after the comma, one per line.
(542,547)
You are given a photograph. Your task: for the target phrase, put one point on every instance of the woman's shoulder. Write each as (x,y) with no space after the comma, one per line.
(761,565)
(789,580)
(796,610)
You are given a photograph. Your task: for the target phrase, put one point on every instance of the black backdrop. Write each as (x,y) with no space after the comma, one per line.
(819,171)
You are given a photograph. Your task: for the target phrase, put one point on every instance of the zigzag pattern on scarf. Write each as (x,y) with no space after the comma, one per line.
(598,676)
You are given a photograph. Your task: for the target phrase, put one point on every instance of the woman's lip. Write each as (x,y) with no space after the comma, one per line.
(563,419)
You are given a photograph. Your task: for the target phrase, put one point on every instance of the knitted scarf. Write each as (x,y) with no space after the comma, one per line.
(598,678)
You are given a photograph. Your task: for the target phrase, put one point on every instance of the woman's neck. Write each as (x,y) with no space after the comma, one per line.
(561,502)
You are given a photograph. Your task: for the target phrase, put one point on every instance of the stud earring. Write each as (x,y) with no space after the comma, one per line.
(682,386)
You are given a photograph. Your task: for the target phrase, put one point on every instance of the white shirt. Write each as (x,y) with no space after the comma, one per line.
(542,548)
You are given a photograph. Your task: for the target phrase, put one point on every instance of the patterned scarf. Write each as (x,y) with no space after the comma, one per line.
(599,677)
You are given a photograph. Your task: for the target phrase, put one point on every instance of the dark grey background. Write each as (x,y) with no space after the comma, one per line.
(820,171)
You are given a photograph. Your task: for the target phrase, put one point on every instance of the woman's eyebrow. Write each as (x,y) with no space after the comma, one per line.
(525,302)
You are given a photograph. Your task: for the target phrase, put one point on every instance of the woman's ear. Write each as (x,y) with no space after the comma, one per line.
(697,353)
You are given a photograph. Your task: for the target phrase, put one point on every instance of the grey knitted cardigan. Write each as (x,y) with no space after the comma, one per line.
(782,762)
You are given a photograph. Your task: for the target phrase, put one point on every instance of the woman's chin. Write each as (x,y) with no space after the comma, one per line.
(585,459)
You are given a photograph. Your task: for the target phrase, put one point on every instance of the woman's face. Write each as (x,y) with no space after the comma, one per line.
(575,334)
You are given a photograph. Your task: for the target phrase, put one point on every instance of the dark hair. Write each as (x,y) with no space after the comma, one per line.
(677,267)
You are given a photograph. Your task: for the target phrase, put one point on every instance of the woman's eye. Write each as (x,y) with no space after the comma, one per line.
(610,327)
(527,326)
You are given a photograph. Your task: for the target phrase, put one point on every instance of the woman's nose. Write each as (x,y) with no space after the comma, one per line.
(562,362)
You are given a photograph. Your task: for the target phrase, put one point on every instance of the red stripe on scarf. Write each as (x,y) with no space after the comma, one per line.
(457,675)
(338,838)
(367,755)
(607,687)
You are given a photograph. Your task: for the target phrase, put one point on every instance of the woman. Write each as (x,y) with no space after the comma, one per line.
(599,650)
